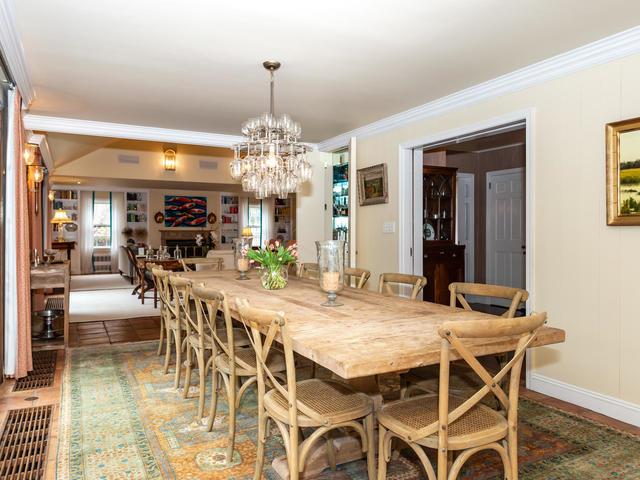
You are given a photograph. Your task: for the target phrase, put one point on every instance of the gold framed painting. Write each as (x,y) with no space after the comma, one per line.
(372,185)
(623,172)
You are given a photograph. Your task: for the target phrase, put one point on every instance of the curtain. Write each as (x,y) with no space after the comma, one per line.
(243,214)
(18,361)
(118,221)
(85,243)
(268,232)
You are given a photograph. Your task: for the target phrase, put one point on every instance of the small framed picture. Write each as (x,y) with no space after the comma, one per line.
(623,172)
(372,185)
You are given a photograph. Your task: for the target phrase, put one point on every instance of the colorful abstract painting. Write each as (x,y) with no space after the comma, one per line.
(185,211)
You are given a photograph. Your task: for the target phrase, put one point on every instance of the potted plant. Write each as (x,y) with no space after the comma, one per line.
(207,239)
(274,259)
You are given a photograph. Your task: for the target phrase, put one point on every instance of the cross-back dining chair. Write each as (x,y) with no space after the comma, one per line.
(180,291)
(309,270)
(358,276)
(323,405)
(459,290)
(155,272)
(209,263)
(416,282)
(462,424)
(169,312)
(234,365)
(462,379)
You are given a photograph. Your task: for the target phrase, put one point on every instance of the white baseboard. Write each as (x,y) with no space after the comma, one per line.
(604,404)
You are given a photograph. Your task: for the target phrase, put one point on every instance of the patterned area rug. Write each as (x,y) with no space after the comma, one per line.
(121,418)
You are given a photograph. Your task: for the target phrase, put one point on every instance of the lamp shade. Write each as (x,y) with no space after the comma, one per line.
(60,216)
(246,232)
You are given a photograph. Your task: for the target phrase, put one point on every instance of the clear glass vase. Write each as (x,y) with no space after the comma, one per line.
(274,278)
(331,268)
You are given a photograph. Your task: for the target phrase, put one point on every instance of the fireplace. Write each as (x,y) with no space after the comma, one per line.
(184,239)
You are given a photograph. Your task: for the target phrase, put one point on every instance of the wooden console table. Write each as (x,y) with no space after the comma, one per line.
(56,275)
(68,246)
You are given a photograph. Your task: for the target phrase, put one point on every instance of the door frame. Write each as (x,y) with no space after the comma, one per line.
(488,209)
(408,196)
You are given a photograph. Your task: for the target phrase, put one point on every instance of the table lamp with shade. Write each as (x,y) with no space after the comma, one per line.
(60,218)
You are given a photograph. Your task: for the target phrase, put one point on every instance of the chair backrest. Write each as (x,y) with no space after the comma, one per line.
(209,263)
(161,280)
(415,281)
(181,292)
(209,302)
(357,275)
(515,295)
(266,325)
(185,267)
(134,262)
(454,337)
(309,270)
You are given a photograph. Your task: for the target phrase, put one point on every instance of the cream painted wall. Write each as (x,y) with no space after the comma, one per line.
(103,163)
(585,273)
(310,216)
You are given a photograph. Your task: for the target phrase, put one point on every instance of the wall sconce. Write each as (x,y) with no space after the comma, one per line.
(29,154)
(170,159)
(52,195)
(38,174)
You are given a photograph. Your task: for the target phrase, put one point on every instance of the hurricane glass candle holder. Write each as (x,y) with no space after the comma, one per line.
(242,246)
(331,269)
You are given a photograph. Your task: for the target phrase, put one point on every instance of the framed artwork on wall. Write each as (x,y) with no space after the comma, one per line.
(623,172)
(184,211)
(372,185)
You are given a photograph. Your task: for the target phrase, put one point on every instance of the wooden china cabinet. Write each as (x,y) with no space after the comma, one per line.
(443,259)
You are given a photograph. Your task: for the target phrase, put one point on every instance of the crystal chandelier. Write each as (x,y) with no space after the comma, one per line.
(271,160)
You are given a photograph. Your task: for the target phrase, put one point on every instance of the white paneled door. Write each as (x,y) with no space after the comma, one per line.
(506,236)
(465,222)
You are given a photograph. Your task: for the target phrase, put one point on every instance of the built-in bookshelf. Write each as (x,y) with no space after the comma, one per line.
(66,200)
(229,206)
(136,209)
(283,218)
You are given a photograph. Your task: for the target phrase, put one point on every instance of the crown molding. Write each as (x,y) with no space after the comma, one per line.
(601,51)
(13,53)
(130,132)
(41,140)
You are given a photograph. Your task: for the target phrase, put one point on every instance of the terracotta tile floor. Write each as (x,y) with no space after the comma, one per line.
(114,331)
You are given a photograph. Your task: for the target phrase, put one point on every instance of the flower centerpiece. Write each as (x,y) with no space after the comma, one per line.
(208,240)
(274,259)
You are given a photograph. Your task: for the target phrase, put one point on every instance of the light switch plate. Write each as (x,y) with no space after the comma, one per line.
(389,227)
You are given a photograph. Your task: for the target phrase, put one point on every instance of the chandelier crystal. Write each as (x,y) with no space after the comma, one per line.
(271,160)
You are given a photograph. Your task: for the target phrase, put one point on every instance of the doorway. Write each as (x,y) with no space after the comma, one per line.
(476,152)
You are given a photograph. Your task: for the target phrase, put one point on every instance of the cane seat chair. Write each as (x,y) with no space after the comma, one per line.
(323,405)
(358,276)
(170,311)
(198,264)
(163,308)
(463,424)
(309,270)
(462,378)
(179,290)
(417,283)
(234,365)
(199,340)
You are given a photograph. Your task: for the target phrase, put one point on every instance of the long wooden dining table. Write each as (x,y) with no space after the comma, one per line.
(369,335)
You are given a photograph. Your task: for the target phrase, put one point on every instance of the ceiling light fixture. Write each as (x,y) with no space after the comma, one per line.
(170,159)
(271,160)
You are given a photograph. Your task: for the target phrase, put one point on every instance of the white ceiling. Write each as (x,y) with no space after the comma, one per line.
(196,64)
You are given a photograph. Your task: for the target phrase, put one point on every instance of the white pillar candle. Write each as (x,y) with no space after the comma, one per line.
(330,281)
